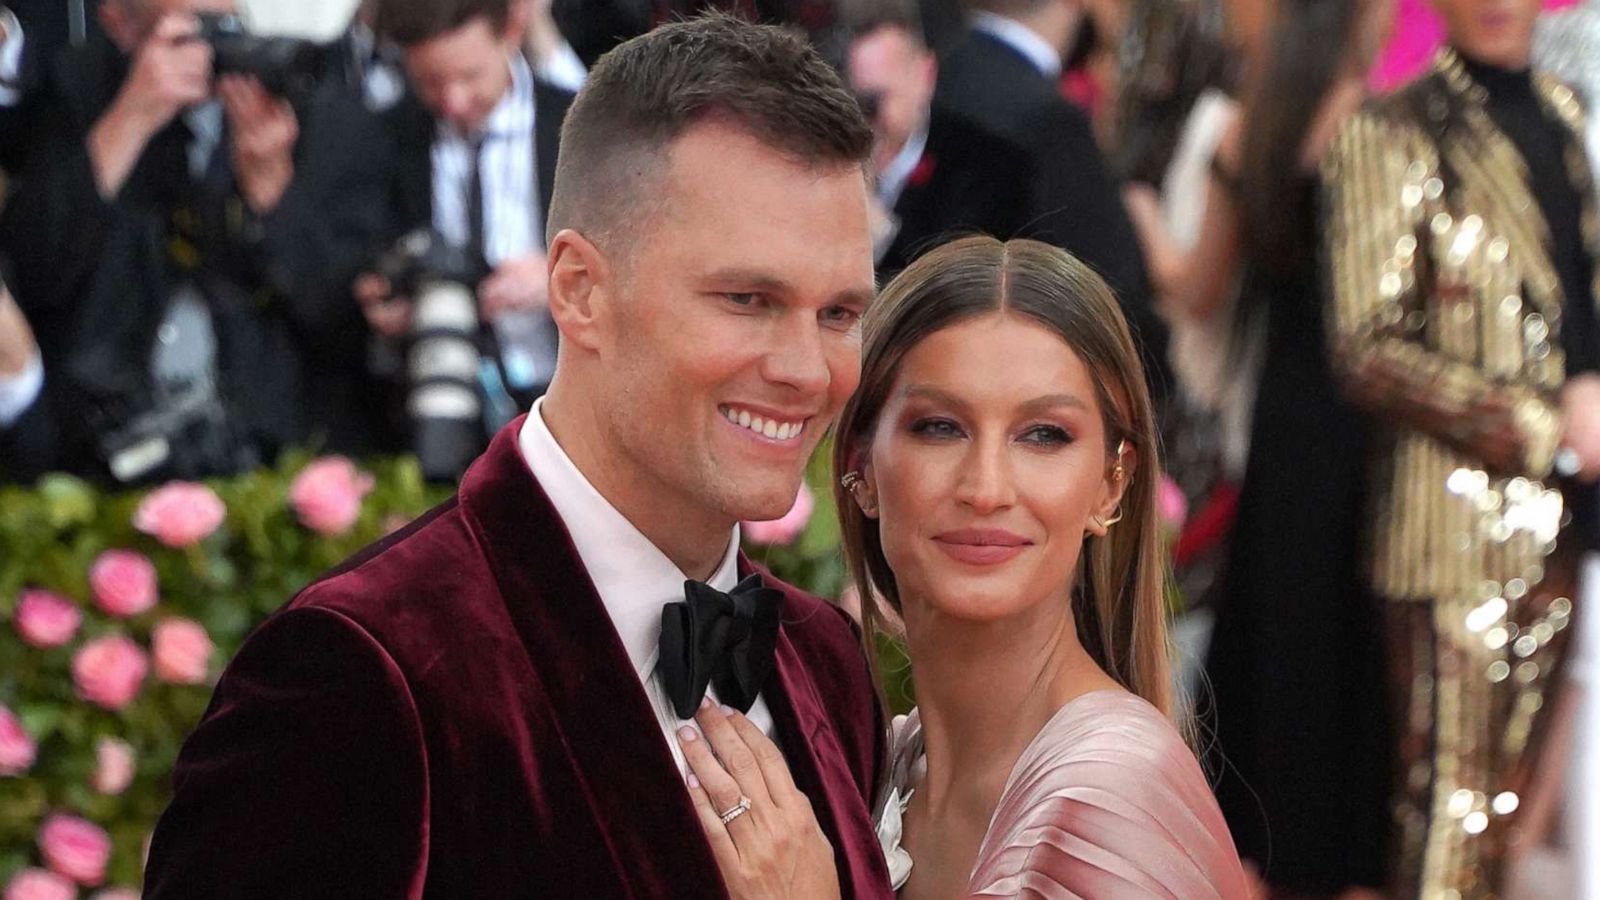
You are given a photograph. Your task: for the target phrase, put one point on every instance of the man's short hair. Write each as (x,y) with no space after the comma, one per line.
(410,22)
(862,17)
(1004,7)
(645,93)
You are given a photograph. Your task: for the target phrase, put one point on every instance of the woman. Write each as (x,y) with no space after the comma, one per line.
(1295,663)
(998,481)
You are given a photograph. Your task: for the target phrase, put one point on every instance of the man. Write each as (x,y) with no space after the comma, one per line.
(938,175)
(479,706)
(1463,273)
(478,153)
(1004,76)
(183,248)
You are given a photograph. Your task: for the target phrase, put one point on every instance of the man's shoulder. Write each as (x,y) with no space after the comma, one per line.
(955,136)
(415,574)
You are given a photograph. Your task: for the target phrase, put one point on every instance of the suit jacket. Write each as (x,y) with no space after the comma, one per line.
(95,276)
(967,181)
(1075,202)
(1444,298)
(452,714)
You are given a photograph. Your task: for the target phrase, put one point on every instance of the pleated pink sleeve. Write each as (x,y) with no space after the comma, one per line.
(1108,803)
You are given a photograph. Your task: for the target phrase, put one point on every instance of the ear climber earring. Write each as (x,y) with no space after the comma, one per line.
(1118,472)
(851,481)
(1107,523)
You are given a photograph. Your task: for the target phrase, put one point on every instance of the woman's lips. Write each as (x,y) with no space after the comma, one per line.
(981,547)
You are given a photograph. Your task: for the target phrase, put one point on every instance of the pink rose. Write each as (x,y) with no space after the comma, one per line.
(124,582)
(788,528)
(75,848)
(45,619)
(113,770)
(39,884)
(182,651)
(1171,505)
(109,671)
(180,513)
(17,750)
(327,494)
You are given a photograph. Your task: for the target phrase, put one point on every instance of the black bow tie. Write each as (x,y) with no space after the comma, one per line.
(722,639)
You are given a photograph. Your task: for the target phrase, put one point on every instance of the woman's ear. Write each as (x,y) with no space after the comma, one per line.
(861,483)
(1119,475)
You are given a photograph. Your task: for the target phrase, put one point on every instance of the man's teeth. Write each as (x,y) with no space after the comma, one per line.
(780,431)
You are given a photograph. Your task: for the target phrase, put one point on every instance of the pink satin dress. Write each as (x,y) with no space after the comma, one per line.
(1106,803)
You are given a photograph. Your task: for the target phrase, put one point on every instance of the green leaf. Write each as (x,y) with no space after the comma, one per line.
(67,500)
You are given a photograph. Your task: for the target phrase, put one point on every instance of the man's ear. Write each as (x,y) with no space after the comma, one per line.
(582,289)
(518,14)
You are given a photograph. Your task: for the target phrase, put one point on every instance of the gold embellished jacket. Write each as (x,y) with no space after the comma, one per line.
(1444,320)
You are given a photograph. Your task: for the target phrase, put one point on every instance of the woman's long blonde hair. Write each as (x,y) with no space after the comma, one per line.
(1118,602)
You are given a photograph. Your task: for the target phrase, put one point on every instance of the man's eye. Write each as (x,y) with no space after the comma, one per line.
(840,315)
(742,299)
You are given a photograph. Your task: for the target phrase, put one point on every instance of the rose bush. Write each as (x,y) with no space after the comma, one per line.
(117,610)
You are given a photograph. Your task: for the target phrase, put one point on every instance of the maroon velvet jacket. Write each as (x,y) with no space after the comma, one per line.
(451,714)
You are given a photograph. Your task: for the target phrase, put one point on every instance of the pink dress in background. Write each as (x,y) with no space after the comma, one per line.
(1106,803)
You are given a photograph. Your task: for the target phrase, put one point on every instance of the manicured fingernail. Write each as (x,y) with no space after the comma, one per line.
(727,710)
(693,781)
(705,702)
(686,733)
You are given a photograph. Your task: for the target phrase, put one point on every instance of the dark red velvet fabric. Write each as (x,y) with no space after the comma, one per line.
(451,714)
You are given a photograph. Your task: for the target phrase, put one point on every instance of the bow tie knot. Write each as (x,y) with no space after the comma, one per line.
(723,639)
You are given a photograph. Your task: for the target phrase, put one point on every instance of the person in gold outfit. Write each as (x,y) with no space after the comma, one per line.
(1461,240)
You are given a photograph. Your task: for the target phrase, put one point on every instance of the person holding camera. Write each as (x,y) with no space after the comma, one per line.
(184,241)
(478,158)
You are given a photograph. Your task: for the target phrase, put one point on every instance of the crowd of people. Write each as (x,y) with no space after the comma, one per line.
(1367,321)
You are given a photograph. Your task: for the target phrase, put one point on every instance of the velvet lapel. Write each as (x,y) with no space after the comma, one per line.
(607,726)
(802,729)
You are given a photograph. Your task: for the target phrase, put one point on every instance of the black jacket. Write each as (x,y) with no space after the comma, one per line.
(414,130)
(967,182)
(95,277)
(1075,202)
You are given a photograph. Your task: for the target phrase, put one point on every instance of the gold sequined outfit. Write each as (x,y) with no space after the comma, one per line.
(1445,319)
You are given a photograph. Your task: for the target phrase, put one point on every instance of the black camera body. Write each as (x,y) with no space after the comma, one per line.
(444,358)
(285,66)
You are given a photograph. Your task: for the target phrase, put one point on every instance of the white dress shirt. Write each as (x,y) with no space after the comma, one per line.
(1022,39)
(510,185)
(633,578)
(19,392)
(10,58)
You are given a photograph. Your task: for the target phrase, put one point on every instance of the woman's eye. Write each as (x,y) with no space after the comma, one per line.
(935,428)
(1047,436)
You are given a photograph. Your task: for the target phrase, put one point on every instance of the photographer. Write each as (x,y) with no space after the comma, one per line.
(478,158)
(184,242)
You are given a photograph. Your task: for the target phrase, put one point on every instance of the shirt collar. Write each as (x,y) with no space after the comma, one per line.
(632,576)
(893,179)
(1022,39)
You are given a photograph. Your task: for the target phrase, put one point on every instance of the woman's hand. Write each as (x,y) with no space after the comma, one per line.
(774,850)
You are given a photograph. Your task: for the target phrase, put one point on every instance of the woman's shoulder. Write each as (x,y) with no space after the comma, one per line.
(1109,801)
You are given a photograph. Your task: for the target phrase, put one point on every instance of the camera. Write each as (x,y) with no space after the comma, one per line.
(285,66)
(186,433)
(443,359)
